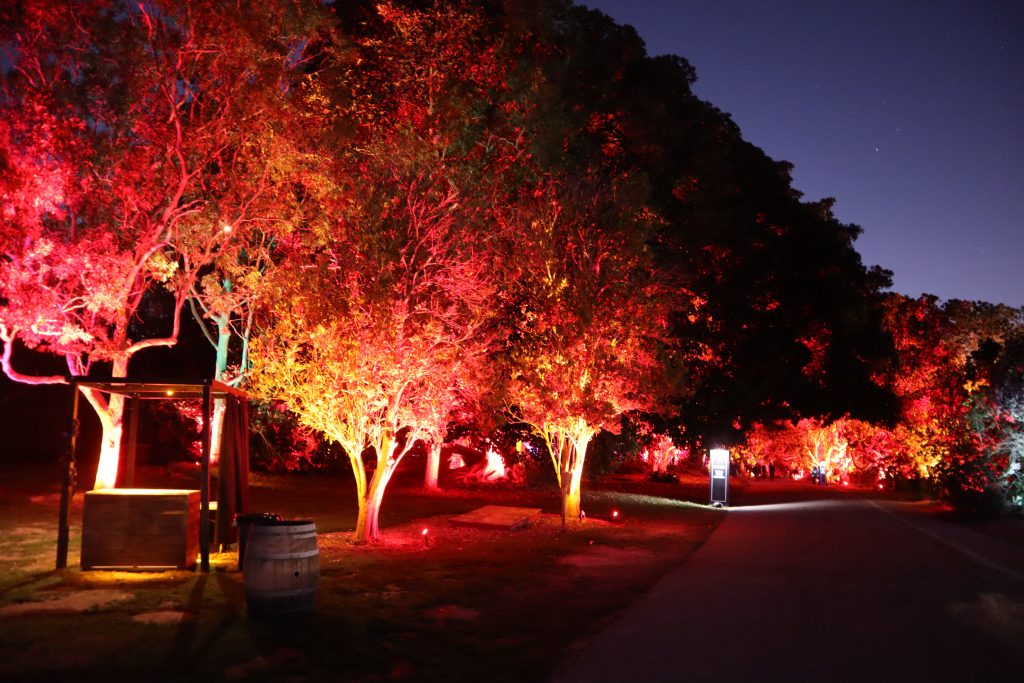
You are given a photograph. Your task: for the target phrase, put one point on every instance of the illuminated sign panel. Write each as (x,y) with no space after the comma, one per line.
(718,467)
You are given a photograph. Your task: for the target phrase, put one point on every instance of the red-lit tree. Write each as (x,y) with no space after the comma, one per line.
(982,472)
(267,188)
(851,450)
(366,340)
(588,317)
(934,342)
(800,447)
(445,116)
(123,122)
(374,329)
(939,431)
(1005,389)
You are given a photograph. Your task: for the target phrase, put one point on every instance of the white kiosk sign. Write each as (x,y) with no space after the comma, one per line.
(718,467)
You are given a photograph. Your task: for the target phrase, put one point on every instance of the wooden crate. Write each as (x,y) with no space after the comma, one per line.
(140,529)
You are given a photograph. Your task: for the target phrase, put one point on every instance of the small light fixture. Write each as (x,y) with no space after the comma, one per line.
(225,228)
(615,515)
(426,537)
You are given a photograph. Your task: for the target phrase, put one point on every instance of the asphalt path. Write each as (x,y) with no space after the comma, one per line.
(837,588)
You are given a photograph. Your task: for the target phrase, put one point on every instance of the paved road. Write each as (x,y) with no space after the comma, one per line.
(824,590)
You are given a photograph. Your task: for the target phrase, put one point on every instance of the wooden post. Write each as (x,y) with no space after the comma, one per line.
(204,484)
(135,403)
(67,488)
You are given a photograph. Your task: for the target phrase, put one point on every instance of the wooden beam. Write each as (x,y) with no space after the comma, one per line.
(204,484)
(67,486)
(133,438)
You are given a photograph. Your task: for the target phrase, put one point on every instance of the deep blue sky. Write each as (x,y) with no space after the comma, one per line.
(909,112)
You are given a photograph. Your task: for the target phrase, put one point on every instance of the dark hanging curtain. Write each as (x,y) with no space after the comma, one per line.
(233,479)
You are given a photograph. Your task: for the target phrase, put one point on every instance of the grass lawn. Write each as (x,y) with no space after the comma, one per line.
(474,605)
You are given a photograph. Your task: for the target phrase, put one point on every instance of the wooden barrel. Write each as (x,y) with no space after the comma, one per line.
(282,568)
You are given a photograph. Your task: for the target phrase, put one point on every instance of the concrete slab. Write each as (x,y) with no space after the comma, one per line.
(497,517)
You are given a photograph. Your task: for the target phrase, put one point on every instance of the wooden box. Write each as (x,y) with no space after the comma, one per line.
(140,529)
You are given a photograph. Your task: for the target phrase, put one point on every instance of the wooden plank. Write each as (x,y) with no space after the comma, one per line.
(140,528)
(497,517)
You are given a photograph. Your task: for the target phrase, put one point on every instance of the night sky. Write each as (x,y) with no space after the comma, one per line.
(909,112)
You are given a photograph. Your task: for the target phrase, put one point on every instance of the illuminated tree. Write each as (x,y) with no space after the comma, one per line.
(934,344)
(452,117)
(588,324)
(267,185)
(874,450)
(124,120)
(983,473)
(98,200)
(1007,382)
(949,429)
(661,454)
(801,446)
(366,340)
(374,328)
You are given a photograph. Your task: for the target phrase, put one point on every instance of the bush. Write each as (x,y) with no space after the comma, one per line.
(971,486)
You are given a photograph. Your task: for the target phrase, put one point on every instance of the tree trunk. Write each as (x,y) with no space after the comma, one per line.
(217,430)
(368,527)
(111,419)
(110,410)
(572,499)
(369,530)
(359,536)
(374,499)
(433,466)
(569,459)
(219,406)
(355,458)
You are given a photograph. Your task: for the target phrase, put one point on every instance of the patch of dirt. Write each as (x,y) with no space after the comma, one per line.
(601,557)
(78,601)
(163,617)
(454,612)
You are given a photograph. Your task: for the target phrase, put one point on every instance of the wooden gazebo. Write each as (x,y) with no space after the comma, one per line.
(150,389)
